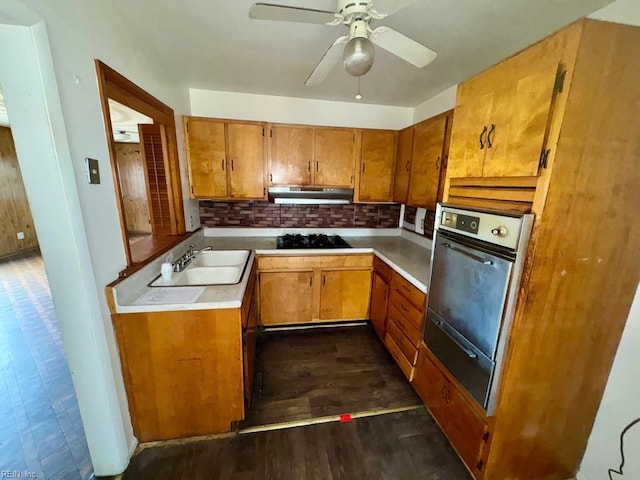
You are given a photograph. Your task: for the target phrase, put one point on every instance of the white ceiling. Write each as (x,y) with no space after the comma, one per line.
(212,44)
(125,120)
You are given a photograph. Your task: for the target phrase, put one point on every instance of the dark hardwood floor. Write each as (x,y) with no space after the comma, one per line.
(311,373)
(406,445)
(40,428)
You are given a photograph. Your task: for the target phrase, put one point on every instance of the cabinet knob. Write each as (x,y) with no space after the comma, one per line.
(482,134)
(492,131)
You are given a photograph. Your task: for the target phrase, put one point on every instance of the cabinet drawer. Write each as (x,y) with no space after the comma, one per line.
(410,330)
(382,269)
(466,431)
(411,293)
(401,360)
(413,317)
(405,345)
(281,262)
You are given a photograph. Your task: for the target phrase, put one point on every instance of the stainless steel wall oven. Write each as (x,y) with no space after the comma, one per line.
(476,266)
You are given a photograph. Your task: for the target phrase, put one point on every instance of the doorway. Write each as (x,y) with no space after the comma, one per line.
(41,432)
(141,133)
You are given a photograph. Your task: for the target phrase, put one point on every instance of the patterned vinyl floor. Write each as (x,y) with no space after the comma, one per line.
(40,428)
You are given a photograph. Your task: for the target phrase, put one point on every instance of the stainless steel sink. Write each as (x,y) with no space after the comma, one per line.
(216,267)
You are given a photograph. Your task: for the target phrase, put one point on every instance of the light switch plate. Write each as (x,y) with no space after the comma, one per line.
(420,214)
(93,171)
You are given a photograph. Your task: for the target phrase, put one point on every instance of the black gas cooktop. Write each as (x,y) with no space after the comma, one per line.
(311,241)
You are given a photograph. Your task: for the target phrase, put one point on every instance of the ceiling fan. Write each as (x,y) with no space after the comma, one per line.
(357,47)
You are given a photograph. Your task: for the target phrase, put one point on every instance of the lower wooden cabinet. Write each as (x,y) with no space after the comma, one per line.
(322,288)
(465,429)
(379,303)
(344,294)
(286,297)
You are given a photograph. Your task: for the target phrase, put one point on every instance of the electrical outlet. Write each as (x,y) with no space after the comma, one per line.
(20,235)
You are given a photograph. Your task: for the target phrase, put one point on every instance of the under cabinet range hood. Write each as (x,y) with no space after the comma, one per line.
(310,195)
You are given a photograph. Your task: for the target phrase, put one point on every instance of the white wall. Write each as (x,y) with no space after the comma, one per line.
(442,102)
(246,106)
(57,123)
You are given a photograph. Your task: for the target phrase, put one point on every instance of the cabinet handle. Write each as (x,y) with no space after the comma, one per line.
(232,165)
(324,280)
(311,280)
(363,165)
(445,161)
(406,167)
(484,132)
(222,163)
(271,177)
(309,167)
(438,163)
(405,309)
(317,166)
(492,130)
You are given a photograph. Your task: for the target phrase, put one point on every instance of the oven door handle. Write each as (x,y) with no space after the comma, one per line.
(441,326)
(467,254)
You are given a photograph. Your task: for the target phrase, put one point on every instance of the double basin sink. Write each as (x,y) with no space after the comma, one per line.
(216,267)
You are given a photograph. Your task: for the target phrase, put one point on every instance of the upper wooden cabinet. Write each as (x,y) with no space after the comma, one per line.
(503,115)
(429,157)
(291,154)
(335,155)
(403,165)
(377,164)
(226,159)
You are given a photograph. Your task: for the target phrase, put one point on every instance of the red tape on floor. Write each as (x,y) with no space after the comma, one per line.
(345,418)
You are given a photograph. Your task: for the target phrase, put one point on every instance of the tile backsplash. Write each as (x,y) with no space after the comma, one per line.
(270,215)
(429,219)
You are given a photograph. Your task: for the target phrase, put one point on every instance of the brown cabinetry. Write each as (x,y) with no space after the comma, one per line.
(226,159)
(467,431)
(404,153)
(303,289)
(377,164)
(379,296)
(335,157)
(291,155)
(286,297)
(429,160)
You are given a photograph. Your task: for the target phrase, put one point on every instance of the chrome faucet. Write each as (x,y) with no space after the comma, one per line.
(183,262)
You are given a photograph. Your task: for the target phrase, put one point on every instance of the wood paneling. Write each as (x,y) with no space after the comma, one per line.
(582,269)
(377,164)
(403,165)
(406,289)
(404,364)
(15,215)
(382,269)
(246,159)
(286,297)
(345,295)
(427,159)
(280,262)
(206,156)
(154,151)
(291,154)
(170,360)
(335,157)
(131,171)
(405,345)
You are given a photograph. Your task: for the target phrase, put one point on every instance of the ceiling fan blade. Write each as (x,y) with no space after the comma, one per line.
(268,11)
(329,59)
(402,46)
(384,8)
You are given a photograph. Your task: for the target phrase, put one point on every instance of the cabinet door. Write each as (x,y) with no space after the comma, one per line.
(206,157)
(474,104)
(379,302)
(464,429)
(249,337)
(344,295)
(285,297)
(291,155)
(403,165)
(335,155)
(519,120)
(245,145)
(428,144)
(377,162)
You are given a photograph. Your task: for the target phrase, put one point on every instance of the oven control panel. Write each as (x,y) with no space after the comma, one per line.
(494,228)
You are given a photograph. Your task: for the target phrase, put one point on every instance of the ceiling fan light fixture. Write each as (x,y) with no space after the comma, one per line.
(358,56)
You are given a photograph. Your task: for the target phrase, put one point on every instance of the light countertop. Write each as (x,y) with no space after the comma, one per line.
(409,259)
